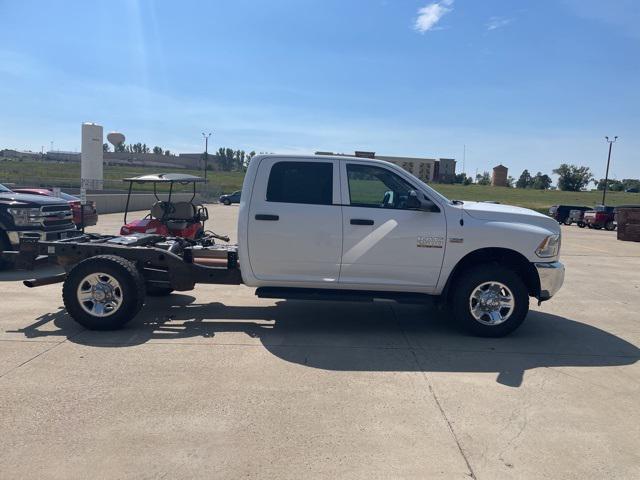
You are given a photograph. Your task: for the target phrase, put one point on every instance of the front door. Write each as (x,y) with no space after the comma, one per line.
(386,243)
(295,221)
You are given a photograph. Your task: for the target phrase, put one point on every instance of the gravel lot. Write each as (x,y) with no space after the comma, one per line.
(216,383)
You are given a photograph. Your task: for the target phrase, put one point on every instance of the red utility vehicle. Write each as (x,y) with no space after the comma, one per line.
(90,213)
(600,216)
(167,218)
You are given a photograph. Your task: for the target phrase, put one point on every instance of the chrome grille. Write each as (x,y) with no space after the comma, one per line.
(55,215)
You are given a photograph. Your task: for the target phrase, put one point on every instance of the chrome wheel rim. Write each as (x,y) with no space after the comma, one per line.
(491,303)
(99,294)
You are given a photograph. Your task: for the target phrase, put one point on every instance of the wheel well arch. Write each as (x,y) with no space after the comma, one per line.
(500,256)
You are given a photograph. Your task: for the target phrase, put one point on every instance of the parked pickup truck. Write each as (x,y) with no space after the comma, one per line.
(32,216)
(600,216)
(338,228)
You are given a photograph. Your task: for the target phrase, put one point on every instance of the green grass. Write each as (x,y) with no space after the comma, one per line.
(539,200)
(37,173)
(34,173)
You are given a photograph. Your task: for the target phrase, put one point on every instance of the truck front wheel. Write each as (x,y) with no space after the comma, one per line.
(489,300)
(103,292)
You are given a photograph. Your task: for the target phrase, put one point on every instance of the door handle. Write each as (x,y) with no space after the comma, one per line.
(271,218)
(361,221)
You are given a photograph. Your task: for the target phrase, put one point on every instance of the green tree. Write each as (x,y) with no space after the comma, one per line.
(105,147)
(483,178)
(167,152)
(541,182)
(157,150)
(460,178)
(573,178)
(121,147)
(511,181)
(631,183)
(525,180)
(238,159)
(613,185)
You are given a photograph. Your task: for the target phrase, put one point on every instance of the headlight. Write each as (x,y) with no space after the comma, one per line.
(24,217)
(550,246)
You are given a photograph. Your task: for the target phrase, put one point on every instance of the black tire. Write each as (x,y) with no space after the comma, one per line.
(581,224)
(589,225)
(4,245)
(567,221)
(472,278)
(227,202)
(610,226)
(132,291)
(597,227)
(154,291)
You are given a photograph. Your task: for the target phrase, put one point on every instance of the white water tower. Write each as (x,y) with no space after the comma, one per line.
(91,168)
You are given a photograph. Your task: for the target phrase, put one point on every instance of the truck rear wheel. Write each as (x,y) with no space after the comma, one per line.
(610,226)
(489,300)
(103,292)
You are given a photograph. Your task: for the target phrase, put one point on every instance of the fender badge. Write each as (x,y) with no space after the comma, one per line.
(425,241)
(456,240)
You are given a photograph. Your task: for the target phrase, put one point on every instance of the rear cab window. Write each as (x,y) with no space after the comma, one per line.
(301,182)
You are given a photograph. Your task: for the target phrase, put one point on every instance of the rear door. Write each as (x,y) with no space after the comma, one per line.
(295,221)
(385,243)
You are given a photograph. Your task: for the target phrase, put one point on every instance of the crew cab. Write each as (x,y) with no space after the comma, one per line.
(338,228)
(32,216)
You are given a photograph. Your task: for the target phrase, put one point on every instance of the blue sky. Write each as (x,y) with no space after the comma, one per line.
(529,84)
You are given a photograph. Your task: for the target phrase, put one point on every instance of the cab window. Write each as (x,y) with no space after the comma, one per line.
(301,182)
(376,187)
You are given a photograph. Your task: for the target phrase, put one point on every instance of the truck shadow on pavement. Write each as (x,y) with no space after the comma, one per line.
(357,337)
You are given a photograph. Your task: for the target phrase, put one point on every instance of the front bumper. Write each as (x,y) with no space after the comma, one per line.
(15,237)
(551,278)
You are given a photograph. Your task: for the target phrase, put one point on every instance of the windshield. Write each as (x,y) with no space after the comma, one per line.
(3,188)
(67,197)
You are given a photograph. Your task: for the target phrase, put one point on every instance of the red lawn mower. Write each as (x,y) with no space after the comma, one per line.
(167,218)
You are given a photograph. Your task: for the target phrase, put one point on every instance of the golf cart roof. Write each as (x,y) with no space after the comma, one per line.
(165,178)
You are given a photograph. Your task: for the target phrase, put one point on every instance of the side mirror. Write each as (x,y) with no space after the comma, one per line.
(416,201)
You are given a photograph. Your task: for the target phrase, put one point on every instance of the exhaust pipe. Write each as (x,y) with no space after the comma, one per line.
(40,282)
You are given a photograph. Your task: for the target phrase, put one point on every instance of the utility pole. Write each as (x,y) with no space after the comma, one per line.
(606,176)
(464,157)
(206,153)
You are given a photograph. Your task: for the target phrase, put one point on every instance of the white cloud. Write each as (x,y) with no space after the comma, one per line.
(430,15)
(498,22)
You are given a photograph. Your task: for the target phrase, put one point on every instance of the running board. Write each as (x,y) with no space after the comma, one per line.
(295,293)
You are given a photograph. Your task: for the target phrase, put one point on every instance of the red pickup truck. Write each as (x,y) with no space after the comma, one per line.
(600,216)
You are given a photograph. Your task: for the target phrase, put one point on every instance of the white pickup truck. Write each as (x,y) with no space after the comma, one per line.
(340,228)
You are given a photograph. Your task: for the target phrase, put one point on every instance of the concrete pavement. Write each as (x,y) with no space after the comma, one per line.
(217,383)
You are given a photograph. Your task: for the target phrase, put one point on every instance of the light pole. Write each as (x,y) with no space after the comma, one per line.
(606,176)
(206,153)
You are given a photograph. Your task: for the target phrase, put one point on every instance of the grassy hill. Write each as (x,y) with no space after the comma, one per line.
(35,173)
(535,199)
(62,174)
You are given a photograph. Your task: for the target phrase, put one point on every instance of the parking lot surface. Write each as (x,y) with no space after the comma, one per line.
(217,383)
